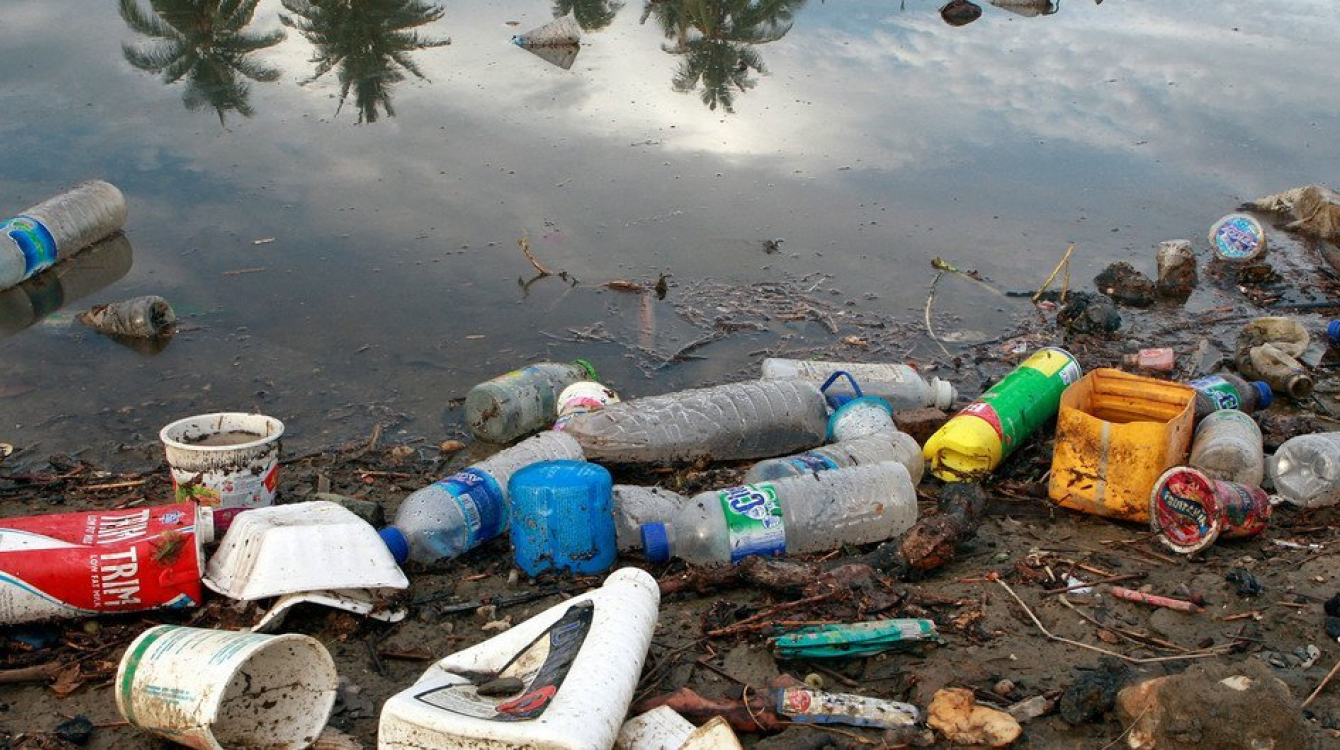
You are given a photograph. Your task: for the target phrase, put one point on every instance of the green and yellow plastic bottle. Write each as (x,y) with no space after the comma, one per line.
(978,438)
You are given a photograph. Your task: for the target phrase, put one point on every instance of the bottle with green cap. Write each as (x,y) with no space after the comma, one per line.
(522,401)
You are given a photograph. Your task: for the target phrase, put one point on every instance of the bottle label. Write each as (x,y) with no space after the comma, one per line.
(481,501)
(34,240)
(809,462)
(1219,391)
(1026,398)
(753,521)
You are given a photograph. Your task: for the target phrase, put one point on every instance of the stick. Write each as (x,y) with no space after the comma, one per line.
(241,271)
(1324,682)
(1155,600)
(1099,582)
(930,301)
(38,673)
(524,243)
(752,621)
(115,485)
(1065,263)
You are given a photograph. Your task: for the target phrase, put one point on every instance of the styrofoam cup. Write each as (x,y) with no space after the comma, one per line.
(228,478)
(217,689)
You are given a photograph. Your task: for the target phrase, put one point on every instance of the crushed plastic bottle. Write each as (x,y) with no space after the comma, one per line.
(470,507)
(1306,469)
(753,419)
(1161,359)
(1228,446)
(890,445)
(58,228)
(1228,391)
(522,401)
(635,505)
(1281,371)
(805,513)
(901,385)
(141,318)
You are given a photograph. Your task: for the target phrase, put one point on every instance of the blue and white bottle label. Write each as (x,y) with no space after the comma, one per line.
(33,240)
(481,501)
(810,462)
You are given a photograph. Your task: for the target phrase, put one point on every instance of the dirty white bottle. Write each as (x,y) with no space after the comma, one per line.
(635,505)
(901,385)
(1306,469)
(1228,446)
(890,445)
(754,419)
(470,507)
(58,228)
(804,513)
(522,401)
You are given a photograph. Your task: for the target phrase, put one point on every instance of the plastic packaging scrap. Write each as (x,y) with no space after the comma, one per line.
(753,419)
(57,228)
(810,706)
(856,639)
(470,507)
(562,519)
(522,401)
(1176,263)
(1238,238)
(1228,446)
(37,298)
(635,505)
(1315,210)
(560,32)
(79,564)
(886,446)
(1268,349)
(1306,469)
(663,729)
(901,385)
(1189,510)
(1228,391)
(562,679)
(954,713)
(806,513)
(141,318)
(219,690)
(974,442)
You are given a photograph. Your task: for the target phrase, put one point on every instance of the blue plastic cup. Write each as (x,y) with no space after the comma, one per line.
(563,518)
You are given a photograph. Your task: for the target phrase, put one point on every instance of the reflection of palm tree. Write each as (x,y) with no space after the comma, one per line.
(591,15)
(368,41)
(202,41)
(716,38)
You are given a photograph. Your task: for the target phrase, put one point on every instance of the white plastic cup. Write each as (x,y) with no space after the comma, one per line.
(217,689)
(227,478)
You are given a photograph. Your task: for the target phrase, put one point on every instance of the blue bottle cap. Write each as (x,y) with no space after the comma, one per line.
(1333,331)
(655,542)
(396,542)
(1264,396)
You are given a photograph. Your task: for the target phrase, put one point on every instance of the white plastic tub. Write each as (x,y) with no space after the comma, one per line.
(231,477)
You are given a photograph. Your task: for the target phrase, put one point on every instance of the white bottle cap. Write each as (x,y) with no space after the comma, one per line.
(944,393)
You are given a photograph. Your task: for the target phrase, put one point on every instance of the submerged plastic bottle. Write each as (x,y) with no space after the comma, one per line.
(870,449)
(901,385)
(753,419)
(522,401)
(1228,391)
(470,507)
(1228,446)
(978,438)
(1306,469)
(635,505)
(142,317)
(805,513)
(1279,369)
(58,228)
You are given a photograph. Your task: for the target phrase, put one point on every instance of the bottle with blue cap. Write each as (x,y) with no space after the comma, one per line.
(805,513)
(1228,391)
(899,384)
(470,507)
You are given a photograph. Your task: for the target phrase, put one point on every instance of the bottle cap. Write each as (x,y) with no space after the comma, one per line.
(944,393)
(1264,396)
(1238,237)
(655,542)
(396,542)
(1185,510)
(1333,331)
(590,368)
(859,417)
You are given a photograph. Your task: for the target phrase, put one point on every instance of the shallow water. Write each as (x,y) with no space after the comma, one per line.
(344,258)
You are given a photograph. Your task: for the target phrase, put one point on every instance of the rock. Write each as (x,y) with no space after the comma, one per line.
(1332,606)
(1245,583)
(1220,706)
(955,714)
(1333,628)
(1003,688)
(367,510)
(1125,285)
(920,423)
(752,664)
(1088,313)
(334,739)
(960,12)
(1176,261)
(1095,692)
(76,731)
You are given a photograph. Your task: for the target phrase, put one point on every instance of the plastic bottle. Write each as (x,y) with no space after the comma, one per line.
(88,272)
(978,438)
(58,228)
(562,519)
(1228,446)
(581,397)
(1333,332)
(805,513)
(1283,373)
(1156,360)
(522,401)
(1306,469)
(635,505)
(870,449)
(1228,391)
(470,507)
(753,419)
(901,385)
(142,317)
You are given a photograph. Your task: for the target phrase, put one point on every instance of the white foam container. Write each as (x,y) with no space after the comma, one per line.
(569,700)
(220,690)
(313,546)
(227,478)
(664,729)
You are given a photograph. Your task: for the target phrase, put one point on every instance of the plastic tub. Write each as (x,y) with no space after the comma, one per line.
(227,461)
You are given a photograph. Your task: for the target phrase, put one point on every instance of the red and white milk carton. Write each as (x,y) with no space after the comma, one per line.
(81,564)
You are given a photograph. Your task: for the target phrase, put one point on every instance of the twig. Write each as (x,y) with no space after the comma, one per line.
(753,620)
(241,271)
(524,243)
(930,301)
(30,674)
(1065,263)
(1324,682)
(1127,730)
(114,485)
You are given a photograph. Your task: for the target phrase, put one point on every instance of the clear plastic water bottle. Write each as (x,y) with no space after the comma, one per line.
(754,419)
(470,507)
(1306,469)
(805,513)
(1228,446)
(58,228)
(891,445)
(635,505)
(522,401)
(1228,391)
(901,385)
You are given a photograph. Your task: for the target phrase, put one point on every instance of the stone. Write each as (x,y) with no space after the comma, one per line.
(955,714)
(368,510)
(920,423)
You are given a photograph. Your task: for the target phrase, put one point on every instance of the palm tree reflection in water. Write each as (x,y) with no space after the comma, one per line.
(591,15)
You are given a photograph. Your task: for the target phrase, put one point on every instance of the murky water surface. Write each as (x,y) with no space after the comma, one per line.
(331,192)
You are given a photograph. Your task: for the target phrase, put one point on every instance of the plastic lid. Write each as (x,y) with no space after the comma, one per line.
(1238,237)
(944,393)
(1185,510)
(396,542)
(1333,331)
(859,417)
(655,542)
(1264,396)
(965,449)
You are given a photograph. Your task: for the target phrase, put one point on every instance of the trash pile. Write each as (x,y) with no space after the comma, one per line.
(824,497)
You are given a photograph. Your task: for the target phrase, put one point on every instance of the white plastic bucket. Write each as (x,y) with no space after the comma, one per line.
(228,478)
(216,689)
